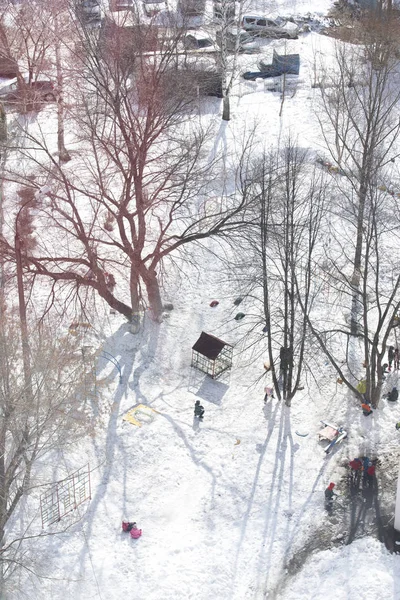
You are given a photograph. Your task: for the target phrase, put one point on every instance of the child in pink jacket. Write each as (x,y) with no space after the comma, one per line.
(135,532)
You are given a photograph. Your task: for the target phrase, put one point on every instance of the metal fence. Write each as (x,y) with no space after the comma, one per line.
(65,496)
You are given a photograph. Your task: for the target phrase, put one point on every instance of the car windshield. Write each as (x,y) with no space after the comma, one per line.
(204,43)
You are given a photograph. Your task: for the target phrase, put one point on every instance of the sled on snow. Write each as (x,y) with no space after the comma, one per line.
(334,434)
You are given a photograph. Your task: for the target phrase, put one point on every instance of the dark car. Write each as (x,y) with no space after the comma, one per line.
(8,66)
(30,94)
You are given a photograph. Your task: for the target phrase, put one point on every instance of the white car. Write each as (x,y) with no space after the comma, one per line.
(198,40)
(269,28)
(235,35)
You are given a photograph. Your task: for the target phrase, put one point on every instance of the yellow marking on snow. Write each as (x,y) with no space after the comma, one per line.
(133,415)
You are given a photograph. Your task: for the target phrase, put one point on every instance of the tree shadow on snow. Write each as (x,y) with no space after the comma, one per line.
(262,448)
(275,499)
(128,347)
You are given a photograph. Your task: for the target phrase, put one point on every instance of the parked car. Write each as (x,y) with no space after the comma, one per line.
(269,28)
(232,34)
(153,7)
(8,66)
(197,40)
(29,94)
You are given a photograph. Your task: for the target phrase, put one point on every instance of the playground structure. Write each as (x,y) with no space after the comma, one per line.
(211,355)
(140,415)
(65,496)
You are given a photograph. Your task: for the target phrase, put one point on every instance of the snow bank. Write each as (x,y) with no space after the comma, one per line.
(364,570)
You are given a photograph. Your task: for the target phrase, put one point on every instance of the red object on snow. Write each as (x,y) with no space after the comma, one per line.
(135,533)
(214,303)
(331,486)
(371,470)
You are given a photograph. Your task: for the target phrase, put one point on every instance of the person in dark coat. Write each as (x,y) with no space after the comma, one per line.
(390,357)
(366,464)
(393,396)
(329,494)
(198,410)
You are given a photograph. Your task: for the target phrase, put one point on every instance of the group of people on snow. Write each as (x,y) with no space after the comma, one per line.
(361,469)
(131,528)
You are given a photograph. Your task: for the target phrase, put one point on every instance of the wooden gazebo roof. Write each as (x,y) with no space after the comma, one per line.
(209,345)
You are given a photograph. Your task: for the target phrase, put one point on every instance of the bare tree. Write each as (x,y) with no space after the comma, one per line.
(33,425)
(131,202)
(358,123)
(289,205)
(34,35)
(361,133)
(230,43)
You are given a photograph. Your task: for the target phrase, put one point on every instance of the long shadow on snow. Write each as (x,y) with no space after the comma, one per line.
(147,339)
(197,461)
(263,449)
(274,502)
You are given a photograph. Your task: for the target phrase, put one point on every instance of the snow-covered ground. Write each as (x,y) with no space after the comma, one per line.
(231,508)
(226,505)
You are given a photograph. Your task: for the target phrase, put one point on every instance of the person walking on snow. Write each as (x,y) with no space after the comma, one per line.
(366,464)
(356,468)
(269,393)
(329,494)
(390,357)
(198,410)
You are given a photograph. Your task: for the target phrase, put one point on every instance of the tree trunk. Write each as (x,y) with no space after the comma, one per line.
(226,109)
(356,304)
(153,294)
(134,288)
(62,151)
(22,317)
